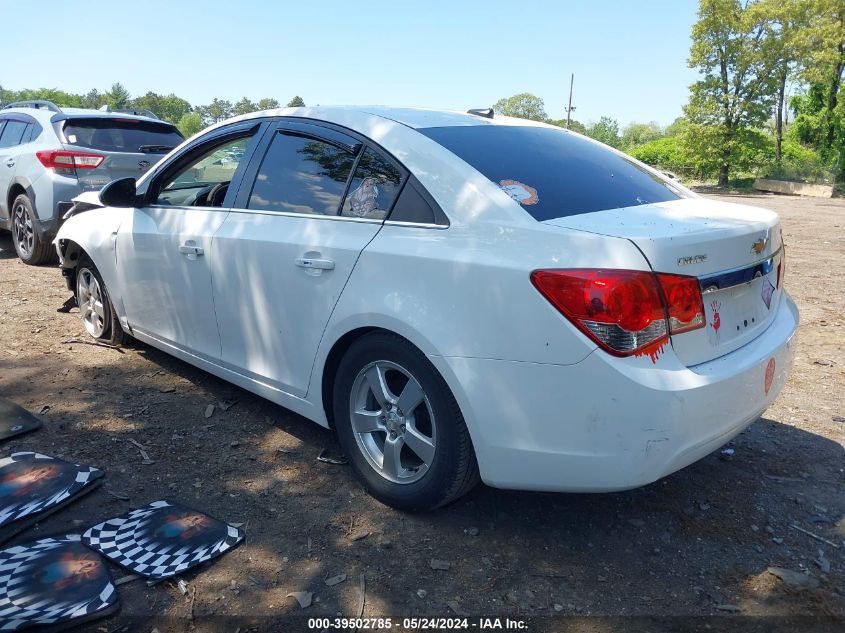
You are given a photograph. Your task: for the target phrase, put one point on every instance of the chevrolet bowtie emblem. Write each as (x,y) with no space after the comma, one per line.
(759,246)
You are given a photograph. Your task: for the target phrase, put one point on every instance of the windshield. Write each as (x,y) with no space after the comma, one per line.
(553,173)
(122,135)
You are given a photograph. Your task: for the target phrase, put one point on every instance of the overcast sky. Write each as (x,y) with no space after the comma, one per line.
(629,58)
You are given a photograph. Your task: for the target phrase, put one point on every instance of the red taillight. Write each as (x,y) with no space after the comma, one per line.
(683,302)
(64,160)
(624,311)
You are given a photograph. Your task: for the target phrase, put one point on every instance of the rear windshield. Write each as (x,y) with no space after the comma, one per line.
(553,173)
(122,135)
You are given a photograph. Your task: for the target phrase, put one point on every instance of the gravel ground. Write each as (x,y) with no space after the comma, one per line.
(696,543)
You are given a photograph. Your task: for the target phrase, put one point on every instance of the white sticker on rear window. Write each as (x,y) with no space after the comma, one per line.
(519,191)
(71,138)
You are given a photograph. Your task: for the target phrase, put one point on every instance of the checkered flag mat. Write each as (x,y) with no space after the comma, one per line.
(53,580)
(31,483)
(162,539)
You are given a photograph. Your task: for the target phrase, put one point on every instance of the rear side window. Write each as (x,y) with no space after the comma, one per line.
(13,133)
(34,132)
(553,173)
(374,187)
(122,135)
(301,174)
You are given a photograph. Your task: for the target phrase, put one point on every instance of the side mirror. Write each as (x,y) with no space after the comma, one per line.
(119,193)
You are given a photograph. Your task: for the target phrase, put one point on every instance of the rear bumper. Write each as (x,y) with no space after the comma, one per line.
(611,424)
(47,229)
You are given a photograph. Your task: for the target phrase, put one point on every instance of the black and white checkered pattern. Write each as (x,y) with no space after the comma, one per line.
(22,605)
(130,541)
(71,480)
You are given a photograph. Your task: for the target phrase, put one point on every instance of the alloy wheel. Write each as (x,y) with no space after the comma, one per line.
(393,422)
(23,231)
(92,308)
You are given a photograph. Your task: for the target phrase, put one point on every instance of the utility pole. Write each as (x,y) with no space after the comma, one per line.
(569,108)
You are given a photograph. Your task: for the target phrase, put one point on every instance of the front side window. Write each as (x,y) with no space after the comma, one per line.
(205,181)
(12,133)
(374,188)
(301,174)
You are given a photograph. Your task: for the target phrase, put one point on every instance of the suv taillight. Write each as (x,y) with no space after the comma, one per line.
(63,161)
(624,311)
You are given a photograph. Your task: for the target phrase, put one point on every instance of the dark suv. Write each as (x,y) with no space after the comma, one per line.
(49,155)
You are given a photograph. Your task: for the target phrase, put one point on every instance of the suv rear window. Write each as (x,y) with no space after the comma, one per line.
(553,173)
(122,135)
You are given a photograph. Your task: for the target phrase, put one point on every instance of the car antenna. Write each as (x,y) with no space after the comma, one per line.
(487,113)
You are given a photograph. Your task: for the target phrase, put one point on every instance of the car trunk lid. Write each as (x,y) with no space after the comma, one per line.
(734,250)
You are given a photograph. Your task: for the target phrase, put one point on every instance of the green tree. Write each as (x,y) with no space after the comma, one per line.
(637,134)
(216,111)
(730,48)
(59,97)
(117,96)
(267,104)
(296,102)
(244,106)
(575,126)
(605,130)
(168,108)
(677,127)
(524,106)
(190,124)
(820,47)
(92,99)
(666,153)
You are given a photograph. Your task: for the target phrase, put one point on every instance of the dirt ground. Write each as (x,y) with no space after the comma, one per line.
(696,543)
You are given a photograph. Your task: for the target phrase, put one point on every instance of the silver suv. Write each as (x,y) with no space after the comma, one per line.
(49,155)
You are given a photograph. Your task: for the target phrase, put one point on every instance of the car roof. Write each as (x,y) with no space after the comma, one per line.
(415,118)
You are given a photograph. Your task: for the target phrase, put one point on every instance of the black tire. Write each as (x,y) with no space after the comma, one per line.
(453,470)
(112,333)
(28,245)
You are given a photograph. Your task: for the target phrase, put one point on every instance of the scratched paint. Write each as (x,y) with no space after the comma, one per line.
(770,376)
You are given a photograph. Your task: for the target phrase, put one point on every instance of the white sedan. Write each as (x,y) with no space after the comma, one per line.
(458,295)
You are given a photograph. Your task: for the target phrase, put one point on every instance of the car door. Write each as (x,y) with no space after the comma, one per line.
(165,248)
(11,135)
(312,200)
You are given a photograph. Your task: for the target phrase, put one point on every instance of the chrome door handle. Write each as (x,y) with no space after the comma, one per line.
(187,249)
(314,264)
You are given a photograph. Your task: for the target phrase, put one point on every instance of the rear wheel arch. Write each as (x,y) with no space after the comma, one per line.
(15,190)
(332,363)
(335,355)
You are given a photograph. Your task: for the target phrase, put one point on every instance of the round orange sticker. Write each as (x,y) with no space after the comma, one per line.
(770,375)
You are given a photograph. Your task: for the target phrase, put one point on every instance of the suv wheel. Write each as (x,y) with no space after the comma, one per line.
(28,245)
(400,426)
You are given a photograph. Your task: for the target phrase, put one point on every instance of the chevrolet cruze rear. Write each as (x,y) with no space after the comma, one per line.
(458,296)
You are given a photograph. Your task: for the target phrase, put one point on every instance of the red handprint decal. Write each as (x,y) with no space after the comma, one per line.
(717,321)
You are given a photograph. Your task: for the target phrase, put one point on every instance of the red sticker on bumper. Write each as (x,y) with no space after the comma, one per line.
(770,375)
